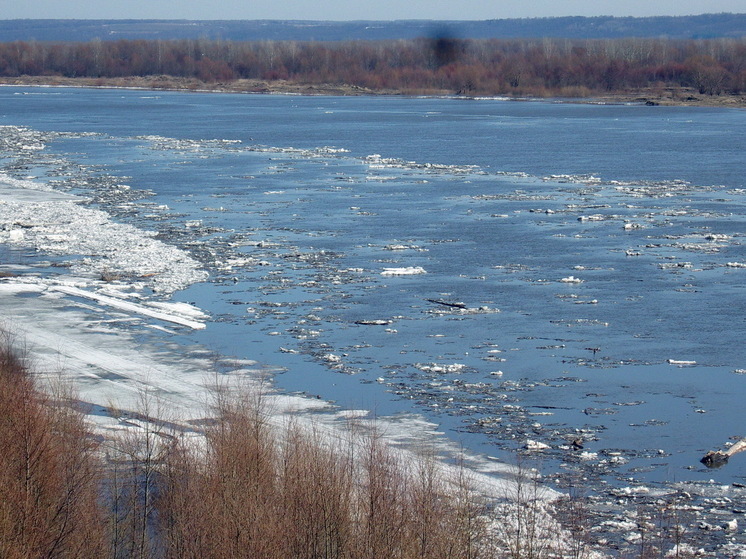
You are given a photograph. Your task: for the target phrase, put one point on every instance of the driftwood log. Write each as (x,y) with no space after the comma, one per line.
(454,305)
(717,458)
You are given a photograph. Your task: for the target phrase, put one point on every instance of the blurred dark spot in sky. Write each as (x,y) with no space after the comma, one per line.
(445,46)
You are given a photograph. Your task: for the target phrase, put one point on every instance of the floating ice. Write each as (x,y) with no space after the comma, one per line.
(376,161)
(401,247)
(408,271)
(436,368)
(62,226)
(681,362)
(535,445)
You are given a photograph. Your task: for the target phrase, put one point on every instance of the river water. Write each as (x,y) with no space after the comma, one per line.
(525,274)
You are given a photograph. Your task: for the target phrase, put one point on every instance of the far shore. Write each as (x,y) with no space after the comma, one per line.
(669,96)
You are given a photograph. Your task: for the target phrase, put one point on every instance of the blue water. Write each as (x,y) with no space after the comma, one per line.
(516,197)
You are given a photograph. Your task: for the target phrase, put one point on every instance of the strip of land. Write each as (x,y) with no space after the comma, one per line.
(668,96)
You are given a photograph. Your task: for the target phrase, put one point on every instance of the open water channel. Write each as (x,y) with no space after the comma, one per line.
(525,274)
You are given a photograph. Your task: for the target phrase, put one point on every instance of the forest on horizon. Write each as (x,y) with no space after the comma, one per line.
(517,67)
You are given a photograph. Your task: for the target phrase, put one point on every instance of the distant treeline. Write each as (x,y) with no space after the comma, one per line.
(705,26)
(563,67)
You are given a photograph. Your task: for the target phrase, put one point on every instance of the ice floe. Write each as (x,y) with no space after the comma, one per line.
(681,362)
(405,271)
(99,246)
(178,313)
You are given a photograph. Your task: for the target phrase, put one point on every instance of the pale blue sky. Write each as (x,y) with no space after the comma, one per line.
(355,10)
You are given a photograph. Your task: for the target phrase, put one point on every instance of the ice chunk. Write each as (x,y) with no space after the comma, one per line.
(408,271)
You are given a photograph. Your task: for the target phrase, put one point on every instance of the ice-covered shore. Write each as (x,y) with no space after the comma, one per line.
(122,384)
(32,216)
(71,324)
(115,274)
(71,327)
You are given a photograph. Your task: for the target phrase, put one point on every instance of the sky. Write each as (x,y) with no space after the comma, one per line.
(341,10)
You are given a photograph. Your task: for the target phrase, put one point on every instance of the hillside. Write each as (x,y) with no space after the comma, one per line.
(604,27)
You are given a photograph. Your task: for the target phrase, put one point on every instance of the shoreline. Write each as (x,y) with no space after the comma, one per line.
(670,96)
(70,325)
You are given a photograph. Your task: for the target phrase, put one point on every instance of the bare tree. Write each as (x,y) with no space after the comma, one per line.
(525,528)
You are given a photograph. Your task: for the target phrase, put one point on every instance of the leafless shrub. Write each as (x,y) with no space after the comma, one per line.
(48,476)
(574,510)
(243,488)
(381,511)
(135,459)
(661,529)
(317,489)
(524,525)
(469,536)
(258,490)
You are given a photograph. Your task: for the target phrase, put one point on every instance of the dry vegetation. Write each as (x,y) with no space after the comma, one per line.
(666,70)
(240,488)
(48,472)
(245,488)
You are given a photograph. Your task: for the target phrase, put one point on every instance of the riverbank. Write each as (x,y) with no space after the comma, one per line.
(668,96)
